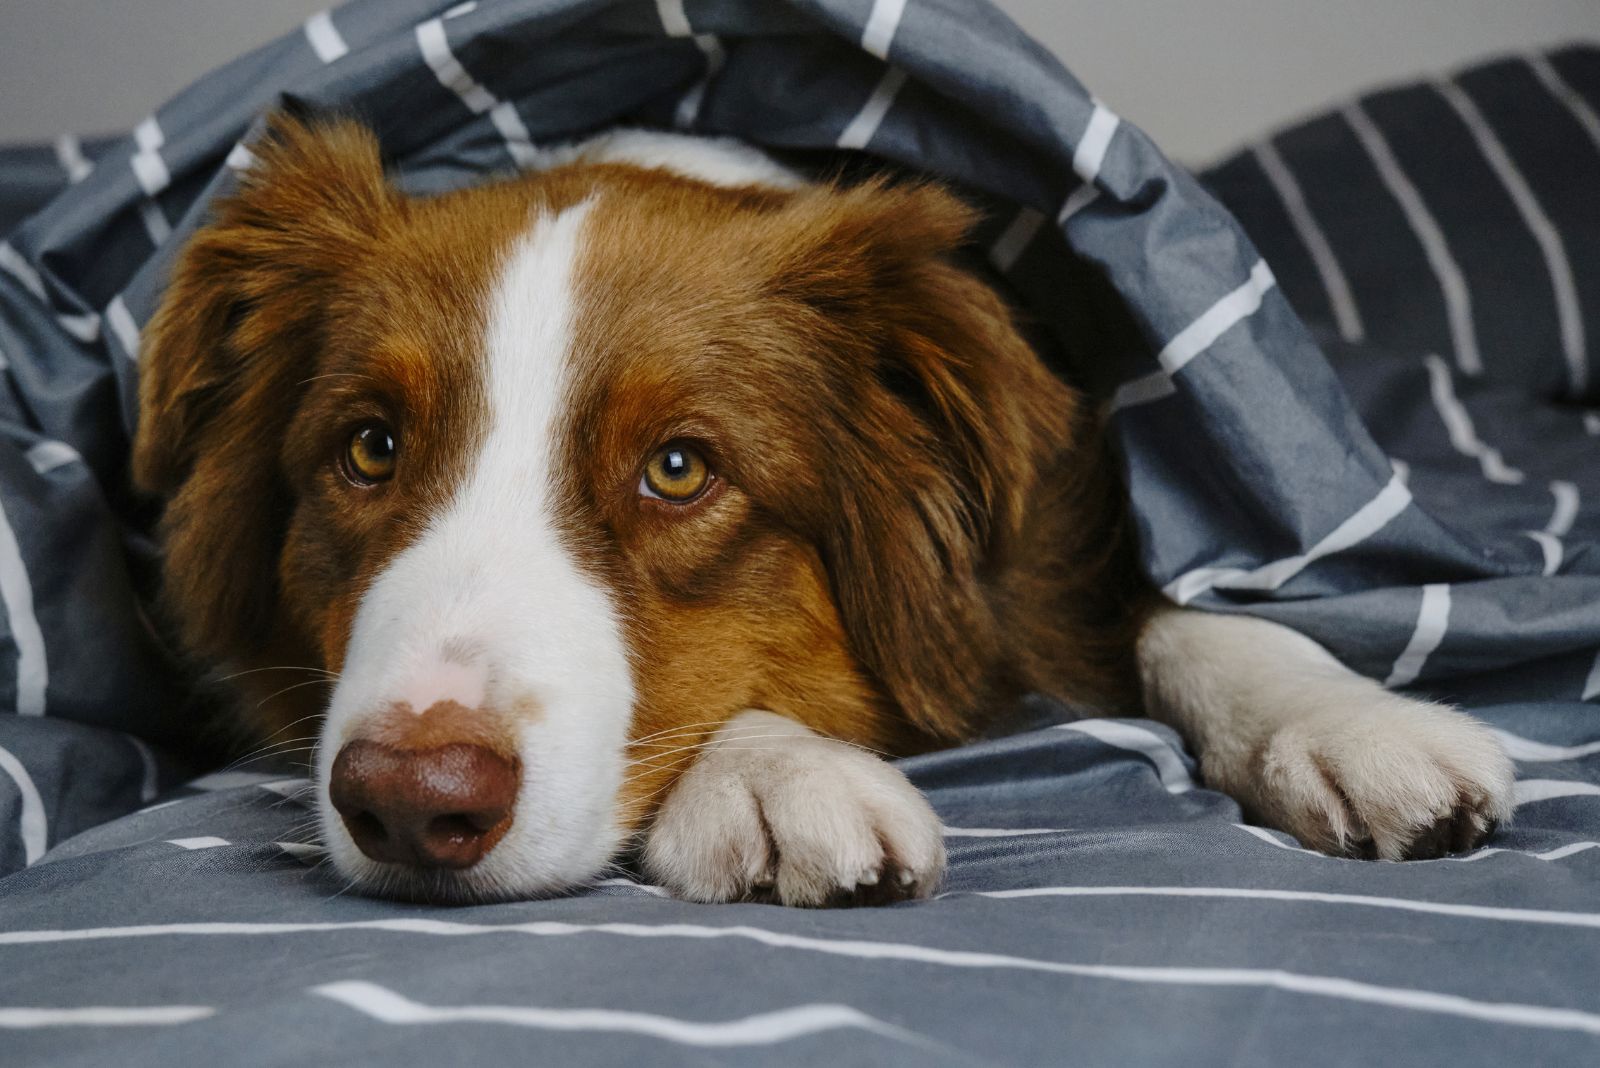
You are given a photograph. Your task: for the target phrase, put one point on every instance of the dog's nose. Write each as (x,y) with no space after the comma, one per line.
(440,807)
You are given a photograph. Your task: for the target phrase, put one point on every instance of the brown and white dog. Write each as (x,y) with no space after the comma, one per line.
(633,501)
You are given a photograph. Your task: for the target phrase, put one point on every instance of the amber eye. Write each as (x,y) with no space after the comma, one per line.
(675,473)
(371,454)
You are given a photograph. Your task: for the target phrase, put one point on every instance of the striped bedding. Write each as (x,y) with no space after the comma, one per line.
(1386,439)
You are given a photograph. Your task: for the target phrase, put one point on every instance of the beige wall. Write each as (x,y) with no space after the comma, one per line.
(1200,75)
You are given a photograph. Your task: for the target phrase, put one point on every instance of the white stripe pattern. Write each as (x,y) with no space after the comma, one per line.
(1087,159)
(84,327)
(126,331)
(229,780)
(150,781)
(761,1029)
(1558,853)
(1334,283)
(1312,985)
(16,589)
(430,926)
(688,110)
(1000,832)
(1530,751)
(675,22)
(1221,317)
(1568,96)
(240,158)
(325,38)
(148,166)
(1452,283)
(305,852)
(1196,338)
(1497,913)
(203,842)
(1569,314)
(1090,155)
(151,172)
(1366,521)
(69,153)
(1550,547)
(1591,683)
(1014,241)
(1145,389)
(1169,766)
(155,222)
(435,48)
(1272,839)
(858,134)
(1566,508)
(1529,791)
(881,26)
(49,455)
(1433,619)
(1458,425)
(647,888)
(13,1018)
(1076,201)
(32,827)
(293,789)
(13,263)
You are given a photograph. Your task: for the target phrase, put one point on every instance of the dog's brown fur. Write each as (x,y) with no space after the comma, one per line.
(912,521)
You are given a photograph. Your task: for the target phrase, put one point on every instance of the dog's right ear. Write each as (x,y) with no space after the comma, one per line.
(224,360)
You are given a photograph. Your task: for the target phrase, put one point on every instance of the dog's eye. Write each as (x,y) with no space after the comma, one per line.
(675,473)
(370,455)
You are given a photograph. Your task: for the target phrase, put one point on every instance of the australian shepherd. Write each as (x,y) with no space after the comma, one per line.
(645,501)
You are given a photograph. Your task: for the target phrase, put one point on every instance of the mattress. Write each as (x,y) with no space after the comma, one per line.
(1350,379)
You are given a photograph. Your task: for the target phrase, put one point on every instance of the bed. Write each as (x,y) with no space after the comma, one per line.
(1351,379)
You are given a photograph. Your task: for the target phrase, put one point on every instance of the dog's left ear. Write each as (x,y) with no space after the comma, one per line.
(941,437)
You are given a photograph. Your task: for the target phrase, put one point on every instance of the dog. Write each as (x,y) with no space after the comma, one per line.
(641,501)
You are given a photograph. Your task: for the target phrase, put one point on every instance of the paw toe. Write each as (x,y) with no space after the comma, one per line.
(1420,782)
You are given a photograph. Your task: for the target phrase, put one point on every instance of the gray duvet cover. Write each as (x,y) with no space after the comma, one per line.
(1387,439)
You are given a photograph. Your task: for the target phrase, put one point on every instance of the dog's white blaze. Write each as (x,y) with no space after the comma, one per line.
(490,582)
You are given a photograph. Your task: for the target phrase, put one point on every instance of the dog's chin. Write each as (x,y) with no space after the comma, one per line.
(514,871)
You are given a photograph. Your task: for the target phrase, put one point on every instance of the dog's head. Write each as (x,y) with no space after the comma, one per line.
(555,475)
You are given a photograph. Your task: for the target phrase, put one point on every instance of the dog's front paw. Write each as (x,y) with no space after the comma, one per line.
(773,812)
(1399,780)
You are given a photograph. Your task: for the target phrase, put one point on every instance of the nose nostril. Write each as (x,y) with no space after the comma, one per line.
(365,827)
(441,807)
(456,829)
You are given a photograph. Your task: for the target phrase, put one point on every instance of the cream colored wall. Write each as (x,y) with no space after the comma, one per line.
(1200,75)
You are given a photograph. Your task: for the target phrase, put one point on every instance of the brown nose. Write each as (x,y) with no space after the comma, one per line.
(441,807)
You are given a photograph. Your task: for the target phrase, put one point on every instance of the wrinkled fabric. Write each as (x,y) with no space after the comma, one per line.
(1373,418)
(1100,909)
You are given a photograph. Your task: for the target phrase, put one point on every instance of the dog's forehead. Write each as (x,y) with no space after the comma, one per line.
(600,301)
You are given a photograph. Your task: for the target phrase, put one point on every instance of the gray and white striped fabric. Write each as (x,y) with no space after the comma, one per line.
(1100,909)
(1382,439)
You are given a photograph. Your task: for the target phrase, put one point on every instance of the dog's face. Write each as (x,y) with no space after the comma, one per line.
(559,474)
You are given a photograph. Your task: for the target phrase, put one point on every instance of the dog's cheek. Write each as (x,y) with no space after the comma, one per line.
(319,574)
